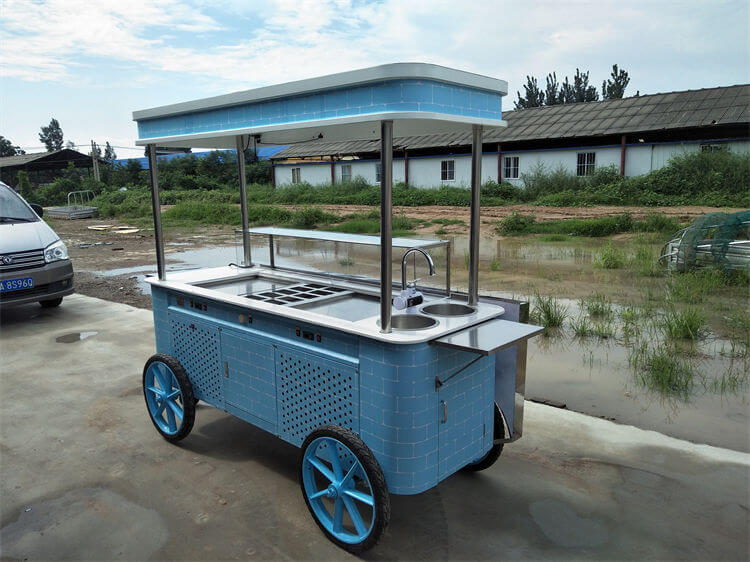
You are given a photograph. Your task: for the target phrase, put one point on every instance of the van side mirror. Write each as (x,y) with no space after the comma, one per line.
(37,209)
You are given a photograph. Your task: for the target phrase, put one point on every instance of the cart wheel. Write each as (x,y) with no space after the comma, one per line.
(169,397)
(489,458)
(344,488)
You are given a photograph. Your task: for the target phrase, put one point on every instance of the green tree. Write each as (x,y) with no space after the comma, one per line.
(579,91)
(24,185)
(533,96)
(52,136)
(109,153)
(614,87)
(7,148)
(552,93)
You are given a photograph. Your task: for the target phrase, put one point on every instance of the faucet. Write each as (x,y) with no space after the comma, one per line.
(403,265)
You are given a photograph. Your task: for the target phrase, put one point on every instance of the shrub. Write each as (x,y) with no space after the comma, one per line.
(515,224)
(609,257)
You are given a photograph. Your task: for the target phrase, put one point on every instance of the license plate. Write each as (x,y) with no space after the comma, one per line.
(16,284)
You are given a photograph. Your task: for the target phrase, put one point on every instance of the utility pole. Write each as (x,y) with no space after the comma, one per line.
(95,160)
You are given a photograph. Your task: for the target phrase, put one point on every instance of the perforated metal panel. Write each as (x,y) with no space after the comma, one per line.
(196,346)
(312,392)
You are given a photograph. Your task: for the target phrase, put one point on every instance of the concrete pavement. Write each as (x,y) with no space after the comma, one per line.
(84,475)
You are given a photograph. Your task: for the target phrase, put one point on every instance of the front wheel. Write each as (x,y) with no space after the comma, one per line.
(344,488)
(169,397)
(51,303)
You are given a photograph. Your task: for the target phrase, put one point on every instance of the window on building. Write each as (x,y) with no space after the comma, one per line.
(448,170)
(586,163)
(346,172)
(296,175)
(378,171)
(511,167)
(713,147)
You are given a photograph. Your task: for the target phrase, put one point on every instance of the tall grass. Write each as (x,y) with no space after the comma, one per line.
(661,369)
(610,257)
(549,312)
(687,324)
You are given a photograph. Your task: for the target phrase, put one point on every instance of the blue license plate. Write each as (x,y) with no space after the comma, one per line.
(16,284)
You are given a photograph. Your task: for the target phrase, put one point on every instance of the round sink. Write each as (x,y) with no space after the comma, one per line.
(448,309)
(411,322)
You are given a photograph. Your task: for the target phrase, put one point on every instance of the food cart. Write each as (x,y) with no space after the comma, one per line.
(385,393)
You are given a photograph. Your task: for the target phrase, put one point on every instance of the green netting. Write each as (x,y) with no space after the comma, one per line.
(712,240)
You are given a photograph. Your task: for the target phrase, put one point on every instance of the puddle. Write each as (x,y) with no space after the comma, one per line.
(590,375)
(75,336)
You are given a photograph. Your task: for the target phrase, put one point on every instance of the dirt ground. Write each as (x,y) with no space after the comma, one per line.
(93,251)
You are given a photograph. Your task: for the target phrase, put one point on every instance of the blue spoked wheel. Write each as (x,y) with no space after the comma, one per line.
(489,458)
(169,397)
(344,488)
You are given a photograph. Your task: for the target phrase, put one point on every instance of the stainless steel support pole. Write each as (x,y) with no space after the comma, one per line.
(156,209)
(243,201)
(272,259)
(386,210)
(476,180)
(448,259)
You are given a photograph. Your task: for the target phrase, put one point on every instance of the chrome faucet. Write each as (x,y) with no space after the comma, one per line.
(403,265)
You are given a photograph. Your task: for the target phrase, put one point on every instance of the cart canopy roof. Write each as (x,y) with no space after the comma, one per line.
(420,99)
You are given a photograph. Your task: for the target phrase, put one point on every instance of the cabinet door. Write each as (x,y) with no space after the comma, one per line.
(196,345)
(466,418)
(249,378)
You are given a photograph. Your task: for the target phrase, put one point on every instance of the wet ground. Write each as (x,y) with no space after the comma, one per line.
(85,476)
(591,375)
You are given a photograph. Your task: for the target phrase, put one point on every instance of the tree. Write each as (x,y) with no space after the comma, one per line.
(533,96)
(70,144)
(614,87)
(7,148)
(98,152)
(24,186)
(579,90)
(109,153)
(552,94)
(52,136)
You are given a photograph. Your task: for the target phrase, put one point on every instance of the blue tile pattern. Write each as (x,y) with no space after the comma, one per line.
(379,97)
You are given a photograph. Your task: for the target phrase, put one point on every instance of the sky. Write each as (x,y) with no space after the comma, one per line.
(91,64)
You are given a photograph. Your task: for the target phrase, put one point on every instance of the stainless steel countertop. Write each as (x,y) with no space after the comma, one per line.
(188,282)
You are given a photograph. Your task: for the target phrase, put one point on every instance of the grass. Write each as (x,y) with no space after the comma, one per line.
(552,238)
(519,224)
(548,312)
(495,265)
(610,257)
(598,305)
(581,326)
(695,286)
(448,222)
(661,369)
(645,263)
(688,324)
(346,262)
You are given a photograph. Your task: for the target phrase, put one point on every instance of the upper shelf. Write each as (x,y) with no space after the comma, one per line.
(419,98)
(344,237)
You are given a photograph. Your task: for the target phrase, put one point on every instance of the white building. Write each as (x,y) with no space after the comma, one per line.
(636,135)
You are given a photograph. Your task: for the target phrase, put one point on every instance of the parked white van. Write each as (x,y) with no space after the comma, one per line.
(34,263)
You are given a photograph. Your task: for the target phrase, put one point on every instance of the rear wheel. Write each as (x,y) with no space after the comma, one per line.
(489,458)
(169,397)
(51,303)
(344,488)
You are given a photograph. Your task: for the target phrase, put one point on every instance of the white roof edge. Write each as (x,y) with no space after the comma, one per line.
(393,71)
(320,123)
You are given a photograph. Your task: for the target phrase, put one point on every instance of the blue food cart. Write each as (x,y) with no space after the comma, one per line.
(384,392)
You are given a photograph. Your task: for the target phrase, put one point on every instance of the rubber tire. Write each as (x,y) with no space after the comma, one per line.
(51,303)
(374,473)
(188,400)
(493,454)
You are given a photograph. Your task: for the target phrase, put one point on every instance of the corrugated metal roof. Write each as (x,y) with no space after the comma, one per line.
(20,159)
(672,110)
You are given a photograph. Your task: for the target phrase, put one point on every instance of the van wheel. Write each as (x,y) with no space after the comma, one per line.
(51,303)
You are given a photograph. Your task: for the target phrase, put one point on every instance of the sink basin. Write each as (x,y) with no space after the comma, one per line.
(411,322)
(448,309)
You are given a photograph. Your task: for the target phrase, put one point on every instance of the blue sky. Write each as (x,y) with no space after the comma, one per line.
(90,64)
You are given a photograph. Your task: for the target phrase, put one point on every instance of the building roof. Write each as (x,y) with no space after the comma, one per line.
(49,159)
(637,114)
